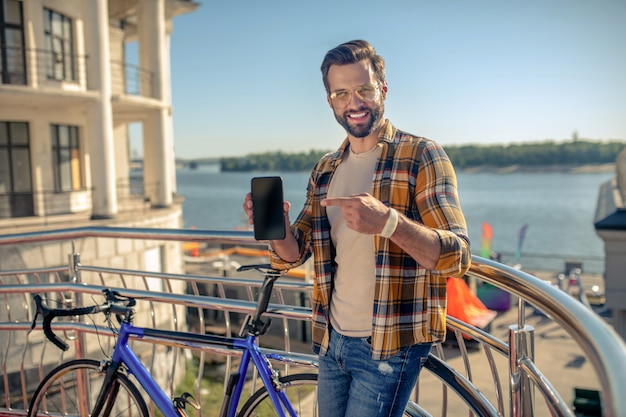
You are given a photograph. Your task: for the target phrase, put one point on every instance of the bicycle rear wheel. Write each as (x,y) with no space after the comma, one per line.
(71,389)
(301,390)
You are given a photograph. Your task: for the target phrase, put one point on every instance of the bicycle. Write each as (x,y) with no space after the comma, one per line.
(87,387)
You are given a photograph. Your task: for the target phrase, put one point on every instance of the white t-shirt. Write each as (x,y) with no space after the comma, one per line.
(352,301)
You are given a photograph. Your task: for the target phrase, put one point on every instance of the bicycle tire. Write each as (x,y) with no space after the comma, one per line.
(58,392)
(301,391)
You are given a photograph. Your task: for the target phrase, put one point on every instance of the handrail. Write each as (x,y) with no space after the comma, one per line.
(535,374)
(242,237)
(605,349)
(197,301)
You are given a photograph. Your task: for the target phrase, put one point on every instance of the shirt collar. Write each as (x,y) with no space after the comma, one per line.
(386,134)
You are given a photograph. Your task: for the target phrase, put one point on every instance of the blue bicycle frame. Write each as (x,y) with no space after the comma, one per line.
(122,353)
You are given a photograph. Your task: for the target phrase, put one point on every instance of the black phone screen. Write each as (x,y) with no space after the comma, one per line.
(267,202)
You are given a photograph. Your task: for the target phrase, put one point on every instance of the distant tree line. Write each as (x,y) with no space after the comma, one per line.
(273,161)
(579,152)
(575,152)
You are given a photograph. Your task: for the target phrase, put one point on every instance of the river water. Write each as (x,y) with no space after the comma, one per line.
(558,209)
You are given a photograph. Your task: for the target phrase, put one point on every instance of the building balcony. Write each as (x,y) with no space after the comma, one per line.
(67,73)
(41,209)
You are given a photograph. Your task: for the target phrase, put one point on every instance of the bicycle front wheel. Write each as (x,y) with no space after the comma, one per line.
(301,390)
(71,389)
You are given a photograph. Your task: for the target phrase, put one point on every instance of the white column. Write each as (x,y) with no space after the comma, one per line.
(158,141)
(167,98)
(100,130)
(33,19)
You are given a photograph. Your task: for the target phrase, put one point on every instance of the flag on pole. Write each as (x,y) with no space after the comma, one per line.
(486,240)
(520,242)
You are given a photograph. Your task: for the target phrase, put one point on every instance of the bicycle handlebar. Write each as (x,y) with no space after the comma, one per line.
(48,314)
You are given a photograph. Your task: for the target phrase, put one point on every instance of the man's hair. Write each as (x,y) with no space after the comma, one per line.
(351,53)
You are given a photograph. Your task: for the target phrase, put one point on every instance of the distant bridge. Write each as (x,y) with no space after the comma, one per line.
(137,164)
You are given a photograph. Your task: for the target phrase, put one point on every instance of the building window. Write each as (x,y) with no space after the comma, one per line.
(66,158)
(12,53)
(59,43)
(16,193)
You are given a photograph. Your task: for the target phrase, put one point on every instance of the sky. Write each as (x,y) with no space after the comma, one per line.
(246,73)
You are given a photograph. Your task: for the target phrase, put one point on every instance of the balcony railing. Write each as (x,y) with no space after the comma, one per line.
(52,66)
(47,65)
(48,204)
(211,302)
(13,70)
(132,80)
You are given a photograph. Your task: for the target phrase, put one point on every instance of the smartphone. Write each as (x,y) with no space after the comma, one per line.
(267,202)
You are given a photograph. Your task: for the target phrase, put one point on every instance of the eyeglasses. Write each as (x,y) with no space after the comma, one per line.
(366,92)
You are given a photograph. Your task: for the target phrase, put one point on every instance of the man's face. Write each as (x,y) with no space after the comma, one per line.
(359,117)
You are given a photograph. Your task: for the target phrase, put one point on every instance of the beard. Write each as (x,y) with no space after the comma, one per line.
(361,131)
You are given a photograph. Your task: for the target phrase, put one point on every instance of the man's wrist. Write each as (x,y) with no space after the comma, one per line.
(391,224)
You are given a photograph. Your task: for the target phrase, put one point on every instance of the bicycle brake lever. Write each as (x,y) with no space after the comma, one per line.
(113,296)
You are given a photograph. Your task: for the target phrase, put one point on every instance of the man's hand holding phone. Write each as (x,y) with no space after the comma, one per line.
(286,247)
(248,208)
(266,209)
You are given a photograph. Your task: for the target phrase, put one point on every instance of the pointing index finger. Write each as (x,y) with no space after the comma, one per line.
(336,201)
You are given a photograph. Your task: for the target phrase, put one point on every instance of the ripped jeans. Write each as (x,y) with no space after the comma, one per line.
(352,384)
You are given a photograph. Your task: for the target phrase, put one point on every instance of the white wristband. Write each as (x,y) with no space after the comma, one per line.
(390,224)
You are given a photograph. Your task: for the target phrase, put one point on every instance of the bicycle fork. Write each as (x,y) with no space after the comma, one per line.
(108,392)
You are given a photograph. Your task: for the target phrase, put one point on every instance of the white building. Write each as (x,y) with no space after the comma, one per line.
(67,99)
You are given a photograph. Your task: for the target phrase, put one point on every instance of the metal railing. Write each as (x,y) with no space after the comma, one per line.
(44,205)
(132,80)
(48,65)
(213,303)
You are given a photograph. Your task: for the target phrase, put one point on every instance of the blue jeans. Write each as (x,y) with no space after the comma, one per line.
(352,384)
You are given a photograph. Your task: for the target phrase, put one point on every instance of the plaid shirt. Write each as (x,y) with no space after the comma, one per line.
(414,176)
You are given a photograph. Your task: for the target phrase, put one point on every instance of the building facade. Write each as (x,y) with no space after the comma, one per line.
(68,96)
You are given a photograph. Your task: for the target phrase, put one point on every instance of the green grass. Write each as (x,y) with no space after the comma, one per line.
(211,390)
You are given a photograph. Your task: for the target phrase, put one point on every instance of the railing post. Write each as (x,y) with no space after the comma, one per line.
(521,345)
(75,277)
(74,265)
